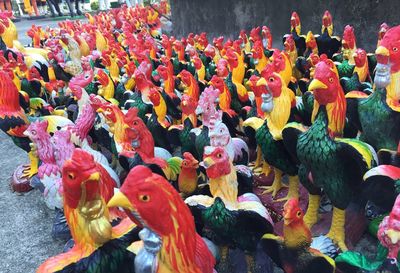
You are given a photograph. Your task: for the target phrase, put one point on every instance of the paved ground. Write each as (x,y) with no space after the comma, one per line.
(25,221)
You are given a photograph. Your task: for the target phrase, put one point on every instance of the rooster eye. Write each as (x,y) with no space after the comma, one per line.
(184,163)
(33,132)
(219,155)
(71,175)
(271,79)
(298,213)
(135,123)
(331,80)
(144,198)
(395,49)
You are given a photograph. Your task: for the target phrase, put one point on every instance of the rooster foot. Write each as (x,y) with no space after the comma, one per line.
(293,189)
(251,263)
(274,189)
(336,232)
(28,171)
(311,216)
(276,185)
(32,168)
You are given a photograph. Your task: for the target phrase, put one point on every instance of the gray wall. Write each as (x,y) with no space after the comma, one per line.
(228,17)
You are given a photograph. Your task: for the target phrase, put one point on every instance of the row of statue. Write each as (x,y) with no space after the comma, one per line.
(164,154)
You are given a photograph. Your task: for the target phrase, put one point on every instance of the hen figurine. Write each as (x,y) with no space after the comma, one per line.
(171,243)
(226,218)
(294,252)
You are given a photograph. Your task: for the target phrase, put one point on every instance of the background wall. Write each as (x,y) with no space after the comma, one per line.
(228,17)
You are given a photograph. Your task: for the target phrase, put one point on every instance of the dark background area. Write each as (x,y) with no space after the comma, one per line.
(228,17)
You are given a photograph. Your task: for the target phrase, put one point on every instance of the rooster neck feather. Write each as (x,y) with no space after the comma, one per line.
(9,96)
(336,112)
(297,235)
(279,116)
(225,187)
(393,89)
(180,242)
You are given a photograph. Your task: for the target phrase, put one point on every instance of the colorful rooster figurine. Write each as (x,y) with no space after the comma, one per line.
(328,162)
(168,226)
(378,115)
(277,104)
(294,251)
(225,217)
(389,235)
(99,247)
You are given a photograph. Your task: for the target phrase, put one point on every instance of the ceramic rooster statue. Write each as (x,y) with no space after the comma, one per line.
(327,43)
(223,217)
(171,243)
(14,122)
(377,116)
(294,252)
(219,136)
(384,179)
(319,166)
(277,104)
(389,232)
(49,171)
(99,247)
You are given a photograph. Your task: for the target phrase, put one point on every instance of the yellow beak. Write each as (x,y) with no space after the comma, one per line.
(381,50)
(94,177)
(120,200)
(261,82)
(393,235)
(208,162)
(316,84)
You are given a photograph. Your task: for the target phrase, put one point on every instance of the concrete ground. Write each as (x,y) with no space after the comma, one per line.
(25,221)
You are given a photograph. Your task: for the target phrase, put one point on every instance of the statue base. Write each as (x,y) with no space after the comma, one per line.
(18,182)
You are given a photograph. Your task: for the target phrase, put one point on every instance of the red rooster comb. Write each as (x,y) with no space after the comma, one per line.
(82,160)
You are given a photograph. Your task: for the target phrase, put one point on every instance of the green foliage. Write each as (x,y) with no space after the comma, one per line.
(94,5)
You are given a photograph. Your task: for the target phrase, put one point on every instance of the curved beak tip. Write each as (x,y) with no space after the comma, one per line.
(316,84)
(120,200)
(94,177)
(381,50)
(261,82)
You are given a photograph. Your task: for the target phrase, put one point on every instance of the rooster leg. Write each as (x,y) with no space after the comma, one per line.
(276,185)
(293,189)
(336,233)
(224,265)
(257,163)
(32,168)
(311,216)
(266,168)
(251,262)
